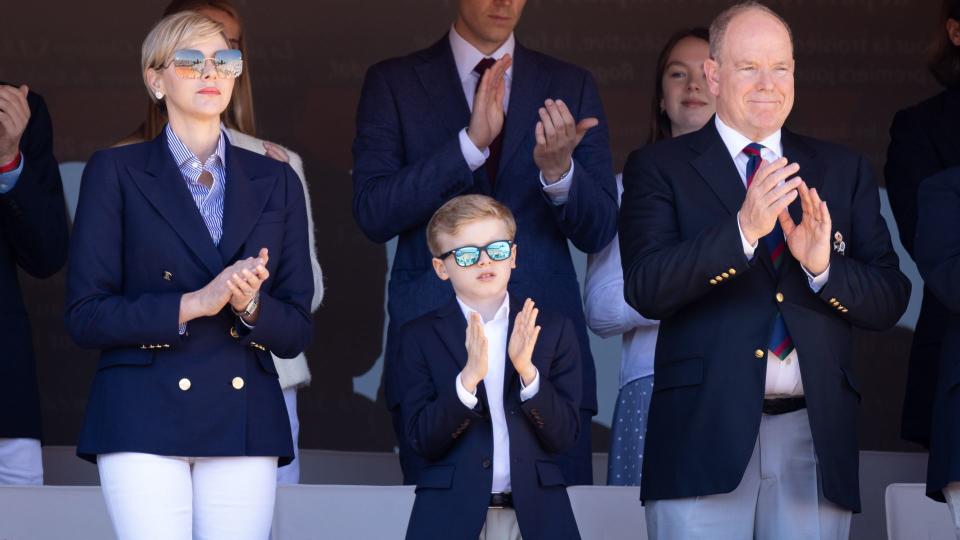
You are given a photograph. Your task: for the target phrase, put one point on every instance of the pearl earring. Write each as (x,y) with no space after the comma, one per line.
(158,94)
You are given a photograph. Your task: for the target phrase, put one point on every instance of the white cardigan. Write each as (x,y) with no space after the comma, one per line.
(293,371)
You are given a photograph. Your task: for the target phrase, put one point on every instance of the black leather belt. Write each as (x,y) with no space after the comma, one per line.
(784,405)
(501,500)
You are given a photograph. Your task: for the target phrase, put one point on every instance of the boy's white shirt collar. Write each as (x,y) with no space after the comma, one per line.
(502,312)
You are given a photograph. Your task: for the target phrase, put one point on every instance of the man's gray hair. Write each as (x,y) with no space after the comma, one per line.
(718,28)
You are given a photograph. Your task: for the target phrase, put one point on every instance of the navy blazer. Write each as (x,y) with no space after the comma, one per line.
(684,265)
(937,250)
(453,490)
(33,237)
(924,140)
(407,163)
(139,244)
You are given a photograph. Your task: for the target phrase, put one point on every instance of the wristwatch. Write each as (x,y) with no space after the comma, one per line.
(251,307)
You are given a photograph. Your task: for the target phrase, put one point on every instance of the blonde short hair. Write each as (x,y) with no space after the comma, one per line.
(172,33)
(464,209)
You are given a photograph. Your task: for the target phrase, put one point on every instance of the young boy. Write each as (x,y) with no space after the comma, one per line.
(488,412)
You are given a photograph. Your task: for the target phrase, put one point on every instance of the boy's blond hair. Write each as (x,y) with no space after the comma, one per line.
(464,209)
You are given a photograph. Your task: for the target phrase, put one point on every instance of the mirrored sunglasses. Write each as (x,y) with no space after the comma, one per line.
(190,63)
(498,250)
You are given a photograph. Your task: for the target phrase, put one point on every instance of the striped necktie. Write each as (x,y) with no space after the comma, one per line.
(780,343)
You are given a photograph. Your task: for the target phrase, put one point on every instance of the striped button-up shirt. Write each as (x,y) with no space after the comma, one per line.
(209,201)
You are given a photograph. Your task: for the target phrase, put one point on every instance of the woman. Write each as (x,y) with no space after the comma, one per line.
(924,140)
(681,104)
(239,121)
(189,264)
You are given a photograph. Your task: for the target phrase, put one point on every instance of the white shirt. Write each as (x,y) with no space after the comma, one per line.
(608,314)
(496,332)
(467,57)
(783,376)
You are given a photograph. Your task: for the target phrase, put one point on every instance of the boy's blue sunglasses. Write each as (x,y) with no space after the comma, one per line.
(470,255)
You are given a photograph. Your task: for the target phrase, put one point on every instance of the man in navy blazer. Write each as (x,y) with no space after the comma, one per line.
(33,237)
(758,286)
(937,243)
(429,127)
(924,140)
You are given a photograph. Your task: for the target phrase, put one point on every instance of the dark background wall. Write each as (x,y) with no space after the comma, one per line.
(858,62)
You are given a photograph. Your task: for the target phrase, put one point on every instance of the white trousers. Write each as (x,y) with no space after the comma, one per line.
(152,497)
(21,462)
(779,496)
(290,473)
(952,494)
(501,524)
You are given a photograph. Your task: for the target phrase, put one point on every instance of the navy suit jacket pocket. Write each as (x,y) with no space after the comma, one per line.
(125,357)
(677,373)
(436,477)
(550,474)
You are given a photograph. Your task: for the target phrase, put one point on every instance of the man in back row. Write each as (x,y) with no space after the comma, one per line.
(33,237)
(758,286)
(479,113)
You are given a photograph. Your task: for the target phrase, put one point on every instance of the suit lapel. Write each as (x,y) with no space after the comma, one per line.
(510,375)
(243,202)
(451,326)
(528,89)
(164,187)
(717,169)
(439,77)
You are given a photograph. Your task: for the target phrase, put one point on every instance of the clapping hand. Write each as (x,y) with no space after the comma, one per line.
(14,116)
(809,242)
(486,120)
(476,368)
(558,134)
(523,340)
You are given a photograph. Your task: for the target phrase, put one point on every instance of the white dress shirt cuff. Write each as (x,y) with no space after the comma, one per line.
(817,283)
(9,179)
(748,249)
(527,392)
(245,323)
(469,400)
(474,157)
(558,191)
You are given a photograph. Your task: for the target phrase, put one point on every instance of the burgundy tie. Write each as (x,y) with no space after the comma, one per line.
(493,162)
(780,341)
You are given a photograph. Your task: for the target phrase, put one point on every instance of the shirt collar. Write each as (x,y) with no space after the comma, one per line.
(467,56)
(183,156)
(502,312)
(736,141)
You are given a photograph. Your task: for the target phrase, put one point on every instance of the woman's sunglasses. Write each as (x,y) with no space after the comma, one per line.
(470,255)
(190,63)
